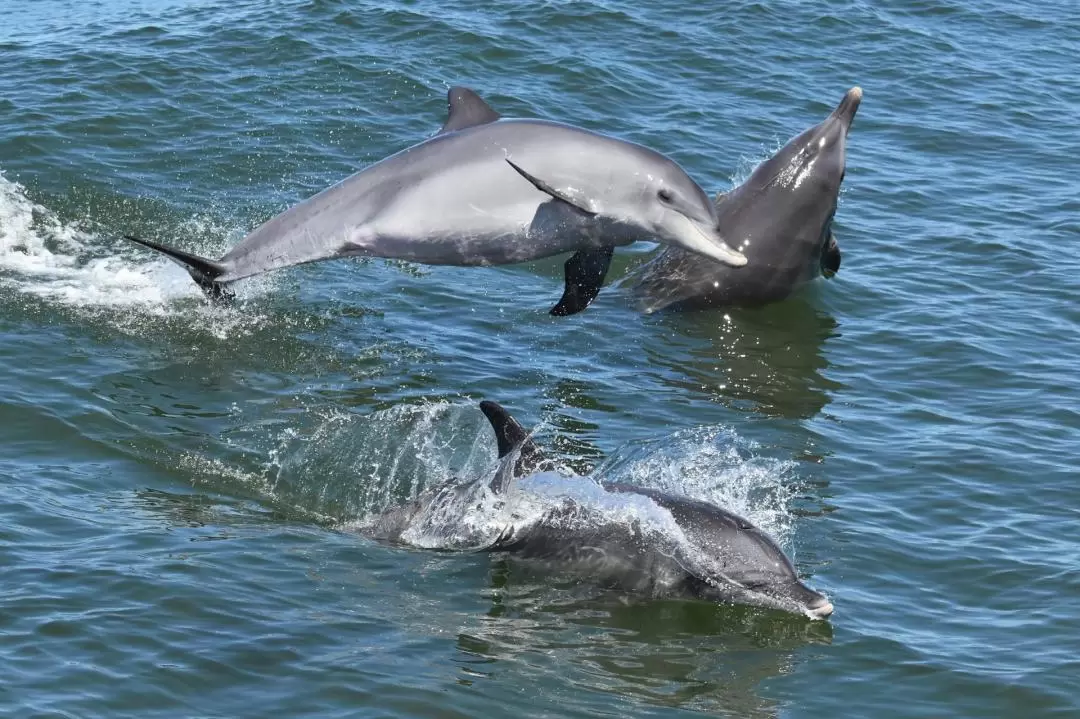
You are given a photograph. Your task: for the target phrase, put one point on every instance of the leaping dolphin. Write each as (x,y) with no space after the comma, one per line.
(486,191)
(713,555)
(780,218)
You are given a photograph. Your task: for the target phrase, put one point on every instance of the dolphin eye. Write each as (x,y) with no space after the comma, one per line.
(666,195)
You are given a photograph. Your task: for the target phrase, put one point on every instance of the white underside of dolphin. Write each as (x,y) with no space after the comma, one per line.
(487,191)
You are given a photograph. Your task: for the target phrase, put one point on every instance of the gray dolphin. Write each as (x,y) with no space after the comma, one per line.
(486,191)
(780,218)
(718,557)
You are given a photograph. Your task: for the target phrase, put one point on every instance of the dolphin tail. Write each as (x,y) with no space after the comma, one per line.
(202,270)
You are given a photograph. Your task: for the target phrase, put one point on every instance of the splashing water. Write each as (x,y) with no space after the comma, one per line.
(355,468)
(48,258)
(715,465)
(43,257)
(352,466)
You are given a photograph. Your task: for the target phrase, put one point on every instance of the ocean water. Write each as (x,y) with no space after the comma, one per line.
(181,483)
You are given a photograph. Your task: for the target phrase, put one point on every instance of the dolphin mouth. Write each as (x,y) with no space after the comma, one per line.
(821,608)
(830,258)
(712,247)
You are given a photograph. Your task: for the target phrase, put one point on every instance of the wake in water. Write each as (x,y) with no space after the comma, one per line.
(64,264)
(353,467)
(652,519)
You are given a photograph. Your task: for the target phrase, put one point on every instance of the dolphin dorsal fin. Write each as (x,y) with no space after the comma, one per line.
(466,109)
(508,433)
(520,454)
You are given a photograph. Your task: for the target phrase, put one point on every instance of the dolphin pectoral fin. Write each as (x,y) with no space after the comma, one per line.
(202,270)
(585,272)
(465,109)
(511,438)
(548,189)
(830,257)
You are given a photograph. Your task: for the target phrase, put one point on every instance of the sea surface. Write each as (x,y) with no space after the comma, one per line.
(181,484)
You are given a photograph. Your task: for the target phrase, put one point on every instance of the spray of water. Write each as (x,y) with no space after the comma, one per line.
(65,264)
(354,468)
(715,465)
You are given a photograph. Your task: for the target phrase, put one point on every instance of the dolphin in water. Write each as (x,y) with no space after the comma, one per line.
(780,219)
(486,191)
(709,554)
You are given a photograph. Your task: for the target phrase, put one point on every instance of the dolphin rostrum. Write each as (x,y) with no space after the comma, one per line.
(486,191)
(780,218)
(706,552)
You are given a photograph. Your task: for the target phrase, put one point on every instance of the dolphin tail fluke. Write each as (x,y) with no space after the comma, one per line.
(202,270)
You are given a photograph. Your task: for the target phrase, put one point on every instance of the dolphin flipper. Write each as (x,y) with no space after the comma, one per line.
(548,189)
(202,270)
(511,438)
(585,272)
(465,109)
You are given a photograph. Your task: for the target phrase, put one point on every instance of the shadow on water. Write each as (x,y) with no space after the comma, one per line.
(676,653)
(766,360)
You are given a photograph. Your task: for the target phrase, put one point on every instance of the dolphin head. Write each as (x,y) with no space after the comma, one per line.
(676,211)
(781,216)
(731,560)
(750,568)
(809,170)
(815,159)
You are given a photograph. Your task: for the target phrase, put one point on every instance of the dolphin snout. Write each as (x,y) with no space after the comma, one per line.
(711,245)
(849,105)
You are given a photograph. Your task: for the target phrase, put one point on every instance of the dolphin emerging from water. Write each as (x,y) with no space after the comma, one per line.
(486,191)
(780,218)
(713,555)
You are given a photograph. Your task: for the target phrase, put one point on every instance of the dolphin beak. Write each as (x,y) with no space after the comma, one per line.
(712,246)
(849,105)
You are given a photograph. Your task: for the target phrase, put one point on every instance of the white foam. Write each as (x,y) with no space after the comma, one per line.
(45,257)
(63,263)
(539,492)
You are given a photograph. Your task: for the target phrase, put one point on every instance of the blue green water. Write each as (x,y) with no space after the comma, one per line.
(181,484)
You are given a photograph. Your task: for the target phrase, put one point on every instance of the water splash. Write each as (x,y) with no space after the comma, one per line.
(63,263)
(349,470)
(715,465)
(391,457)
(351,466)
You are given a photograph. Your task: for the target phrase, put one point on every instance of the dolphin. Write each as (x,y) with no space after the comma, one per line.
(780,219)
(713,554)
(486,191)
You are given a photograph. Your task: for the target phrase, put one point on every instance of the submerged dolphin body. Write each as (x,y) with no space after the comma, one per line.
(780,218)
(711,554)
(486,191)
